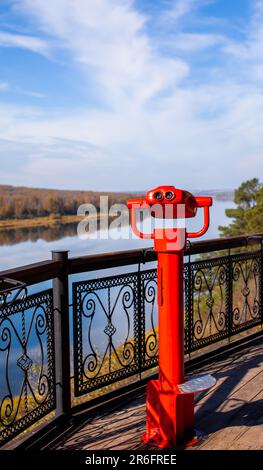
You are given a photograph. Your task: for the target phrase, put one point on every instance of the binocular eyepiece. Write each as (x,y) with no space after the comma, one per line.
(168,195)
(181,204)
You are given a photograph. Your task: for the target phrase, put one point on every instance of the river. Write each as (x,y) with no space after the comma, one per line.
(23,246)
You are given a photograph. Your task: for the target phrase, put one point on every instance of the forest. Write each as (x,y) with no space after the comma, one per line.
(23,203)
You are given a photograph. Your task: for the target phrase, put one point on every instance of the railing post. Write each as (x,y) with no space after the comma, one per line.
(62,339)
(188,309)
(230,297)
(140,321)
(261,282)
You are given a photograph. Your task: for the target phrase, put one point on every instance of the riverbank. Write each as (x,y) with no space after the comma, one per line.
(47,221)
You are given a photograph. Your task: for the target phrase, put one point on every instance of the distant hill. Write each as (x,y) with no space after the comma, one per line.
(18,202)
(21,202)
(217,194)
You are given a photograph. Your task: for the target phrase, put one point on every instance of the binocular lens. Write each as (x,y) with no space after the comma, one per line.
(169,195)
(158,195)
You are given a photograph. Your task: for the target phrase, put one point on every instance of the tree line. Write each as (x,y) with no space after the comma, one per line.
(247,216)
(22,202)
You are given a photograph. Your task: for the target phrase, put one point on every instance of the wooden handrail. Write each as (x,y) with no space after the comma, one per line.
(48,269)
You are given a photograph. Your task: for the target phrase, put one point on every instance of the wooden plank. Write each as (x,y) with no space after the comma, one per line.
(226,422)
(119,430)
(250,439)
(243,432)
(230,378)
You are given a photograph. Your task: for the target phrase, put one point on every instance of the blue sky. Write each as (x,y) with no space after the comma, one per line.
(123,94)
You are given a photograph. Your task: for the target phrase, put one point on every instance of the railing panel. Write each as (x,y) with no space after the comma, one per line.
(27,390)
(106,331)
(246,270)
(149,318)
(207,302)
(222,298)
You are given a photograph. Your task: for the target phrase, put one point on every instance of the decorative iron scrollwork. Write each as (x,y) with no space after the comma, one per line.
(223,298)
(149,307)
(209,299)
(11,290)
(105,331)
(246,302)
(27,362)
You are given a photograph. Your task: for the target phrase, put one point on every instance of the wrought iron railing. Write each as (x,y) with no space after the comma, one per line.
(223,298)
(126,344)
(114,331)
(27,387)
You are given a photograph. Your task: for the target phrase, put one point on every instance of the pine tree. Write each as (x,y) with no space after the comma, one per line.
(248,215)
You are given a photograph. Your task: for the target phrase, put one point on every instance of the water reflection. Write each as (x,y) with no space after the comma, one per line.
(21,246)
(13,236)
(58,231)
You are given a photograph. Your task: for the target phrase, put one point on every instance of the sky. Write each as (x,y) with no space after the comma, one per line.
(131,94)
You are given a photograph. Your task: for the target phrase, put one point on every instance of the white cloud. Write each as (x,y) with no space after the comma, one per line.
(51,158)
(161,123)
(108,39)
(23,42)
(193,42)
(249,53)
(33,94)
(181,8)
(5,86)
(192,140)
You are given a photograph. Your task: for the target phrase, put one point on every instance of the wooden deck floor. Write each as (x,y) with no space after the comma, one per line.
(230,415)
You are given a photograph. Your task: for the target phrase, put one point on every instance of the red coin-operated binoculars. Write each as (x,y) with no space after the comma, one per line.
(170,399)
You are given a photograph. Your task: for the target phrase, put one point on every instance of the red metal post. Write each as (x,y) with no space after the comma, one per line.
(170,399)
(170,414)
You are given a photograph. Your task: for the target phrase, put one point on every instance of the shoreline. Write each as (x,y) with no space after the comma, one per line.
(46,221)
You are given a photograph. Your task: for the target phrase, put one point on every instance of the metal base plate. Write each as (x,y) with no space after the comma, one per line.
(197,384)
